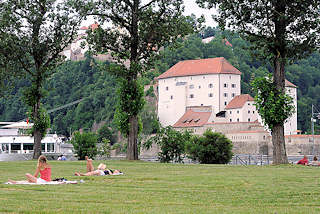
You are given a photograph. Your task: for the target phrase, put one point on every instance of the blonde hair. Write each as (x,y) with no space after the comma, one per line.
(42,160)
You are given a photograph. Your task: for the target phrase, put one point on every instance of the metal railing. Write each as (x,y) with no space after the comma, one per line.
(247,159)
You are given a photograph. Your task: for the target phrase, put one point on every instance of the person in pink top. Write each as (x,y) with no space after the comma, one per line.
(43,168)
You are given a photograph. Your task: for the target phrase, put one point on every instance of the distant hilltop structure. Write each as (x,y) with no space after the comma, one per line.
(76,51)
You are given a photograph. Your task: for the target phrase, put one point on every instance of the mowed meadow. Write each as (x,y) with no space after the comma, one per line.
(164,188)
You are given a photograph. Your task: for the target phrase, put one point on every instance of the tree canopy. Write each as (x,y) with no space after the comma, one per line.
(279,31)
(32,36)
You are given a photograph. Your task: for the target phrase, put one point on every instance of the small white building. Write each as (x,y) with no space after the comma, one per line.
(14,140)
(241,109)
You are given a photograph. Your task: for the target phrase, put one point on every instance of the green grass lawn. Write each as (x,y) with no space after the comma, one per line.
(164,188)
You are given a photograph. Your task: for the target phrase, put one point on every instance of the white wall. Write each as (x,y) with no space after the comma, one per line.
(177,93)
(291,126)
(248,111)
(227,89)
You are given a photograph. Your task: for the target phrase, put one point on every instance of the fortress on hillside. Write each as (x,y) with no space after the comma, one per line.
(206,93)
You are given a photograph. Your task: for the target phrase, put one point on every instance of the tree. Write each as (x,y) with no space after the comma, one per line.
(85,144)
(211,148)
(172,144)
(280,31)
(138,30)
(32,36)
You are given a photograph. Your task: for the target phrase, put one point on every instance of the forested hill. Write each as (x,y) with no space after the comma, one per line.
(83,80)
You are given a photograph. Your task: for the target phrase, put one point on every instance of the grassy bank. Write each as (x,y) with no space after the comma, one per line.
(164,188)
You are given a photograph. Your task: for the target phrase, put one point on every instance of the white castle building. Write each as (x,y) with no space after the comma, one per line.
(206,93)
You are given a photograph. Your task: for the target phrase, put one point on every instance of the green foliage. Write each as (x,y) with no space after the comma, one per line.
(40,123)
(33,34)
(105,147)
(211,148)
(273,105)
(85,144)
(106,133)
(149,119)
(172,144)
(130,102)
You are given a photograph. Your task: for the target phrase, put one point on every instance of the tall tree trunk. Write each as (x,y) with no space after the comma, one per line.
(132,149)
(37,133)
(279,147)
(278,140)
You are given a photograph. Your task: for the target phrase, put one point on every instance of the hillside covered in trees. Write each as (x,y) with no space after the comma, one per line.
(97,89)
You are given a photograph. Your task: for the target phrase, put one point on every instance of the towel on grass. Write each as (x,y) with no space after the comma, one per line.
(47,183)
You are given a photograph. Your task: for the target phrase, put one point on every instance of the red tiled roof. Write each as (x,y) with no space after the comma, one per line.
(226,42)
(84,28)
(301,136)
(289,84)
(200,67)
(193,119)
(239,101)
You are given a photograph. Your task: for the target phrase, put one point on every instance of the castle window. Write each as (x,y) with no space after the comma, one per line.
(230,112)
(191,86)
(233,85)
(225,94)
(171,97)
(191,96)
(210,85)
(167,88)
(210,95)
(237,119)
(248,119)
(230,120)
(225,85)
(248,111)
(233,94)
(199,86)
(225,103)
(238,112)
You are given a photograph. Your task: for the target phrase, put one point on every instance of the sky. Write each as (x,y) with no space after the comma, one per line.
(190,7)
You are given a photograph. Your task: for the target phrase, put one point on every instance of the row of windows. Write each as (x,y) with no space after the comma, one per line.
(238,112)
(192,96)
(209,86)
(226,94)
(225,85)
(238,120)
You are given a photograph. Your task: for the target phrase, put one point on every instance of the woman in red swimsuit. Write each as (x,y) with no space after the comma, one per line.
(43,168)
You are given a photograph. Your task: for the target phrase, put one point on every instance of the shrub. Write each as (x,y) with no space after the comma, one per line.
(85,144)
(171,142)
(211,148)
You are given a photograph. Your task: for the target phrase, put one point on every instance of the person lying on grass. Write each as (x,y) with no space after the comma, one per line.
(43,168)
(100,171)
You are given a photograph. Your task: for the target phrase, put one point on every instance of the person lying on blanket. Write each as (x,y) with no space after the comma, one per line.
(100,171)
(43,168)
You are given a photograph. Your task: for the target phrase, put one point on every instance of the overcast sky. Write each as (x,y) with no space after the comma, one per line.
(190,7)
